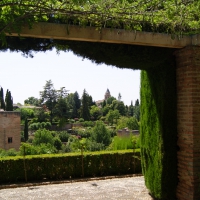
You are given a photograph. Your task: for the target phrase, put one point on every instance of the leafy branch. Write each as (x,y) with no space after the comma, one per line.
(170,16)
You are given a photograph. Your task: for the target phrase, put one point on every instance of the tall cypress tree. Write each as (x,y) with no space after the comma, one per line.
(26,130)
(8,101)
(2,102)
(77,103)
(85,112)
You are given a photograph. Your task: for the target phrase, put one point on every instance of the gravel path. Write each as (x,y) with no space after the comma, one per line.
(131,188)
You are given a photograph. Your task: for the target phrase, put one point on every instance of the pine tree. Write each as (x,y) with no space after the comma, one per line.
(26,130)
(49,97)
(8,101)
(2,102)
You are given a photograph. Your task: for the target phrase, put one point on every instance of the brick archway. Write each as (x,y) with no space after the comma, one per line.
(188,91)
(188,122)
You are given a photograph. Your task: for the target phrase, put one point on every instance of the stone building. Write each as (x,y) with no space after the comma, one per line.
(10,130)
(107,94)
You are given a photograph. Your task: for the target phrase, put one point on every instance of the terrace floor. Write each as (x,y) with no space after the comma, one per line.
(128,188)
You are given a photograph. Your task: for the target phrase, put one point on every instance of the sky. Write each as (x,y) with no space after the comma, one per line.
(26,77)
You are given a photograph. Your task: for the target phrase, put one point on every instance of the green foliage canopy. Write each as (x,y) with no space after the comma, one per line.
(180,16)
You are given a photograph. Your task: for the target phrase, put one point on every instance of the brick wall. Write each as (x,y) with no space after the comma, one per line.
(188,115)
(10,130)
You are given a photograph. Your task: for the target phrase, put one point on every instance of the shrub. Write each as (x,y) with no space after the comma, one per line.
(35,126)
(10,152)
(122,143)
(46,125)
(29,149)
(43,136)
(30,140)
(101,134)
(64,136)
(88,123)
(94,146)
(81,120)
(57,143)
(85,133)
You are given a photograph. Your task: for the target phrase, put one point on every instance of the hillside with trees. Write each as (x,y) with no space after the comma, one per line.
(90,126)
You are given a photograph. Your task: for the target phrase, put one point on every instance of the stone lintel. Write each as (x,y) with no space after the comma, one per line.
(106,35)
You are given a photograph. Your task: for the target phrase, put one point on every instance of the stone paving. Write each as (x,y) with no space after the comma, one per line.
(131,188)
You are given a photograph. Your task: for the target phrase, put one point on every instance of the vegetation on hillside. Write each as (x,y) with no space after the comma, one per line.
(44,122)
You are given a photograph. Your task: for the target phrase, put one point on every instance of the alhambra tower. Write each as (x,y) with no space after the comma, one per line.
(107,94)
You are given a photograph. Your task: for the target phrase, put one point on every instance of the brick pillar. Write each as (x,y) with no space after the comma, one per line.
(188,122)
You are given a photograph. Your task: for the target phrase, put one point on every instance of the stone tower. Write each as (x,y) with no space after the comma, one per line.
(10,130)
(107,94)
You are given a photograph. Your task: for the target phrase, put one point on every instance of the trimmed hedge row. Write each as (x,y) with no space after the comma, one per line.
(66,166)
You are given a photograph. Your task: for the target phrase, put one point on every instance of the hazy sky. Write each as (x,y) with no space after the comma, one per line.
(25,77)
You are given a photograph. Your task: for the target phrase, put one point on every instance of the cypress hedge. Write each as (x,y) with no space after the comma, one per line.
(68,166)
(158,130)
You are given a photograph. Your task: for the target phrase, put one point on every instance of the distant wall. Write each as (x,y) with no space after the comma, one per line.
(63,128)
(10,130)
(125,132)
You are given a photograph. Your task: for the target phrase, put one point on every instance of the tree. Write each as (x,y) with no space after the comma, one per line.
(110,100)
(132,123)
(106,109)
(8,101)
(42,115)
(119,97)
(131,109)
(26,113)
(26,130)
(43,136)
(137,113)
(122,123)
(32,101)
(90,101)
(85,112)
(77,103)
(101,134)
(119,105)
(2,102)
(112,114)
(71,105)
(103,104)
(95,112)
(137,103)
(137,110)
(49,97)
(61,109)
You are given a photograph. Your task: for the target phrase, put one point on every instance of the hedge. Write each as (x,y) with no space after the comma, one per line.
(158,130)
(68,166)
